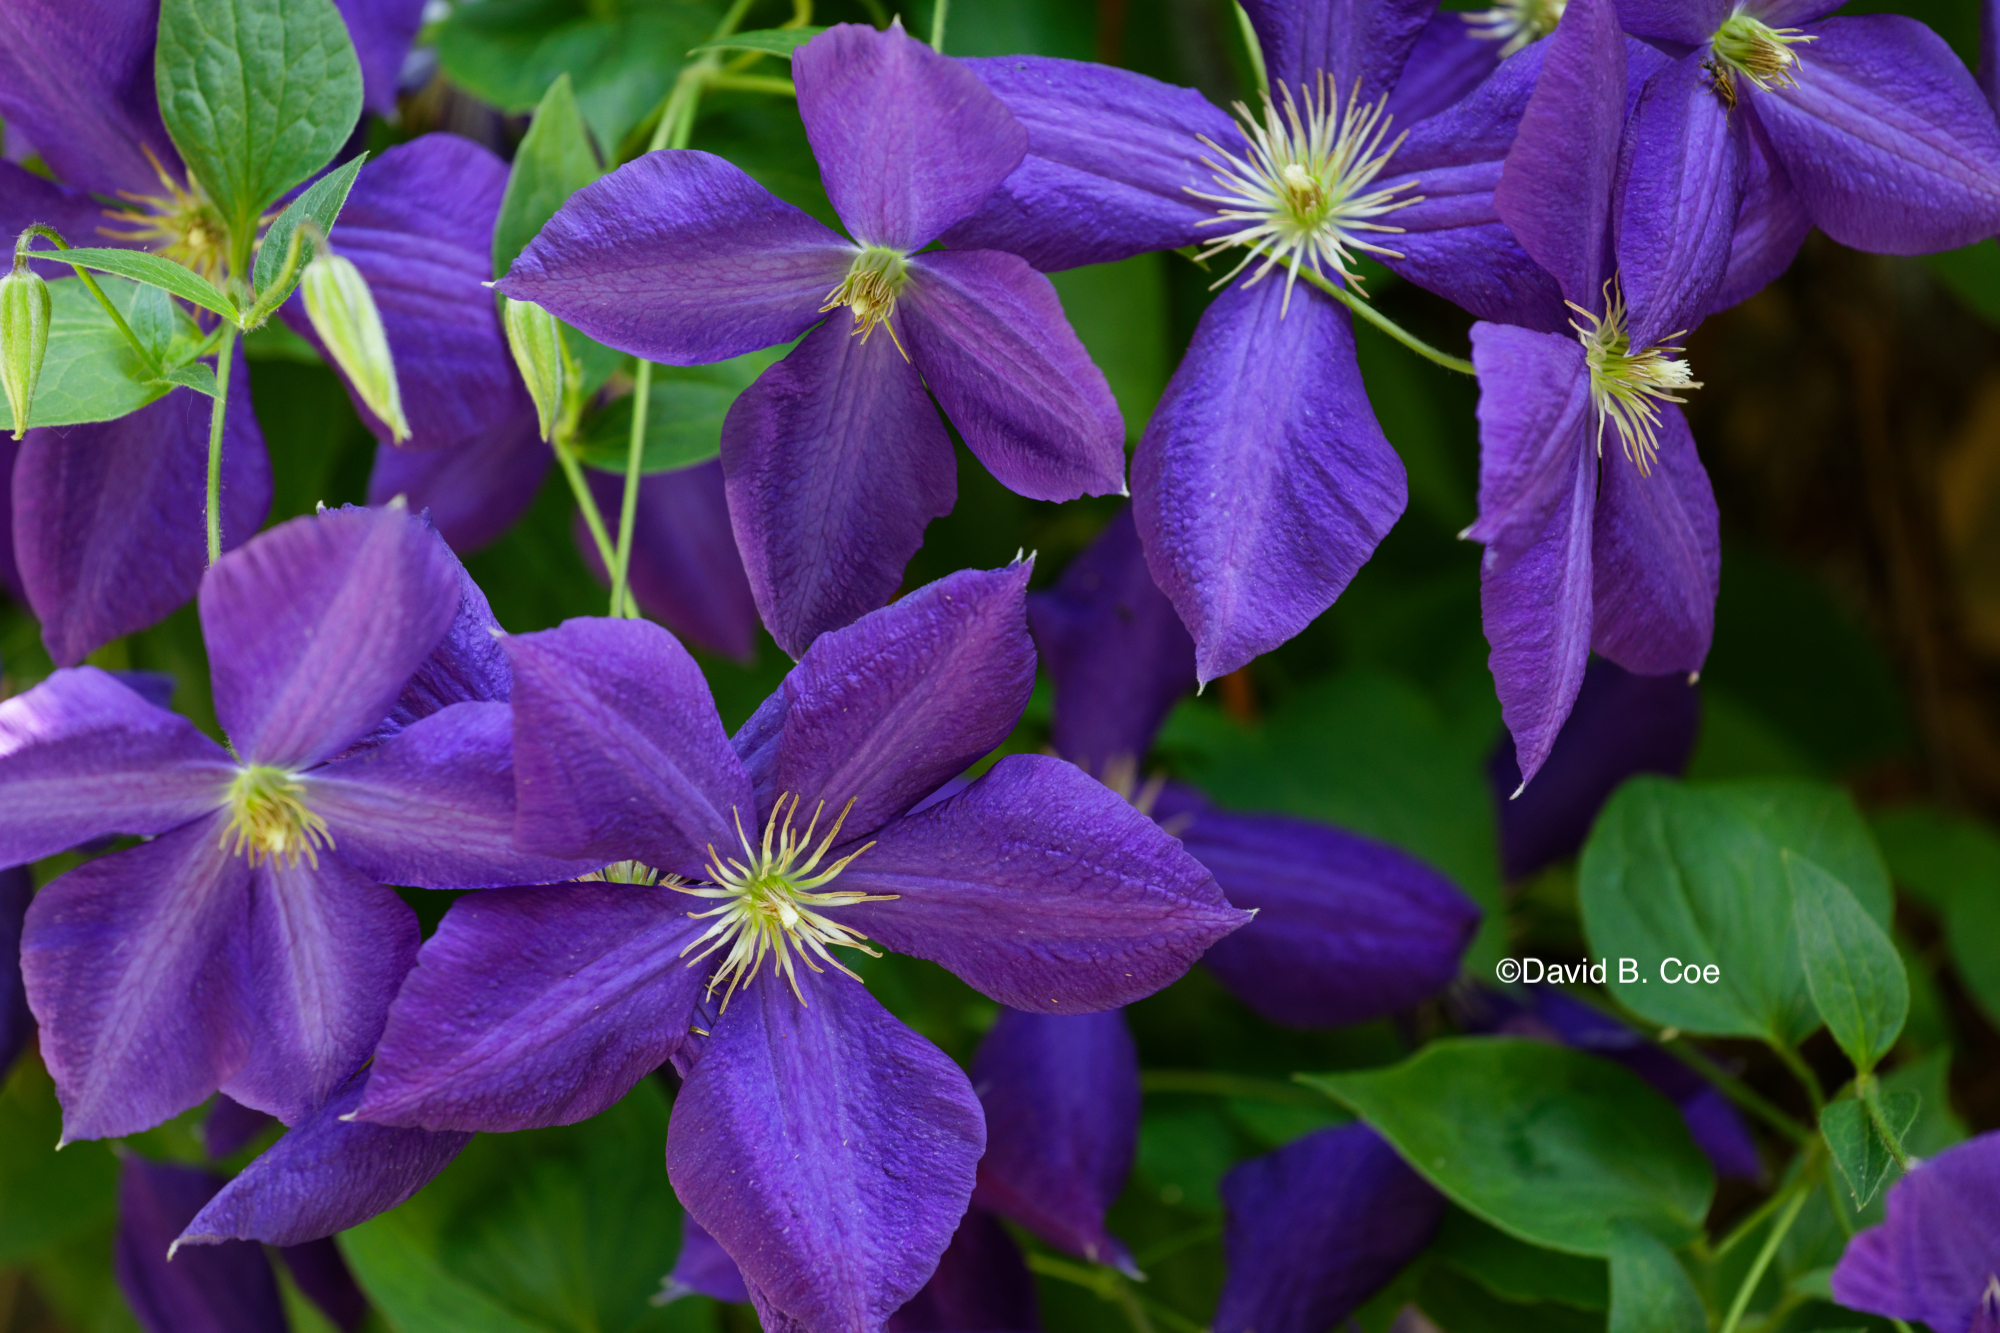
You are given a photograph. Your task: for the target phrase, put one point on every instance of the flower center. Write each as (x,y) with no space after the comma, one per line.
(179,224)
(632,872)
(772,903)
(269,818)
(873,281)
(1515,23)
(1757,51)
(1627,386)
(1301,193)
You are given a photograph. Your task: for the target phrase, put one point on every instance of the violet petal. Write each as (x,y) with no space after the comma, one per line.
(685,570)
(229,1125)
(26,199)
(1361,46)
(982,1285)
(1535,416)
(17,1022)
(227,1289)
(1656,557)
(1447,62)
(703,1268)
(1933,1257)
(1770,227)
(467,666)
(324,1279)
(382,32)
(473,492)
(77,80)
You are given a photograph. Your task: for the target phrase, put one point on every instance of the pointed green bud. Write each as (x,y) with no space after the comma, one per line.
(24,338)
(343,313)
(538,352)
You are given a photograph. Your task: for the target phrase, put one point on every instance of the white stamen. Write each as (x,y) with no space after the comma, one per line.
(1515,23)
(1627,386)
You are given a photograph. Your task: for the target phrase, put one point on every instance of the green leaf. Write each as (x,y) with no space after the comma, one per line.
(1464,1306)
(771,41)
(554,161)
(1936,1127)
(89,373)
(1856,1141)
(321,204)
(1517,1271)
(196,375)
(1697,873)
(1953,865)
(257,95)
(683,415)
(1852,970)
(1650,1291)
(46,1196)
(1973,275)
(154,271)
(1549,1144)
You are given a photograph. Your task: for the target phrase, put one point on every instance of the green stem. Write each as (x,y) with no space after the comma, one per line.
(938,12)
(752,83)
(263,308)
(1173,1245)
(628,503)
(1804,1074)
(90,284)
(1803,1181)
(1211,1083)
(1764,1257)
(1389,326)
(225,360)
(586,503)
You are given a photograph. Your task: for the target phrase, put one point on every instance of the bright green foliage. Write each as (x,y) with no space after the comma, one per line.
(554,161)
(683,416)
(320,206)
(1856,1140)
(1650,1291)
(90,373)
(1852,970)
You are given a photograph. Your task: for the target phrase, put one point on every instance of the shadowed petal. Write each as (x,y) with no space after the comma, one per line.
(108,525)
(887,710)
(618,751)
(834,462)
(314,629)
(473,492)
(1535,416)
(323,1278)
(228,1289)
(994,345)
(1933,1257)
(1447,62)
(26,199)
(325,1174)
(1770,228)
(137,967)
(1656,556)
(230,1125)
(77,80)
(703,1268)
(982,1285)
(467,666)
(534,1007)
(1263,482)
(908,141)
(681,258)
(685,568)
(1886,138)
(383,31)
(10,576)
(1318,1227)
(1043,889)
(17,1024)
(82,756)
(828,1148)
(1362,45)
(1061,1094)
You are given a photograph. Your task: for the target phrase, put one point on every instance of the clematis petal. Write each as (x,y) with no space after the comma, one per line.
(618,751)
(982,1285)
(1348,929)
(467,666)
(703,1268)
(82,756)
(1112,159)
(992,342)
(1362,46)
(228,1289)
(828,1148)
(1656,556)
(834,461)
(1042,888)
(108,526)
(908,141)
(1263,482)
(315,628)
(383,32)
(1555,192)
(1447,62)
(138,969)
(230,1125)
(327,949)
(1061,1094)
(887,710)
(1932,1259)
(1770,228)
(685,568)
(325,1174)
(77,80)
(1535,416)
(434,806)
(533,1007)
(1117,653)
(1688,22)
(1318,1227)
(17,1023)
(473,492)
(681,258)
(324,1279)
(26,199)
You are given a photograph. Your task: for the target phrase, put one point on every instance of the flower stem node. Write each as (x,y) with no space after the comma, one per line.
(1628,386)
(536,341)
(24,336)
(873,282)
(344,316)
(1515,23)
(773,899)
(270,820)
(1759,52)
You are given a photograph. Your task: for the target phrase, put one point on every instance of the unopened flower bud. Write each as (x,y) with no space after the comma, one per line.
(538,352)
(343,313)
(24,337)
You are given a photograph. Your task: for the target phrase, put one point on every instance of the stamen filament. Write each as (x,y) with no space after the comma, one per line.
(1627,387)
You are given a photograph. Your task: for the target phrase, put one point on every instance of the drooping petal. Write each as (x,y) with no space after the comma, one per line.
(828,1148)
(77,81)
(1117,653)
(382,31)
(1042,888)
(1361,45)
(1622,724)
(327,948)
(834,461)
(1886,138)
(1933,1258)
(325,1174)
(908,141)
(314,629)
(1318,1227)
(1061,1094)
(534,1007)
(685,567)
(1112,159)
(108,526)
(887,710)
(17,1023)
(229,1125)
(992,342)
(137,967)
(618,751)
(982,1285)
(227,1289)
(434,806)
(1447,62)
(82,756)
(1535,416)
(1770,227)
(681,258)
(703,1268)
(1348,929)
(473,492)
(1263,481)
(1656,556)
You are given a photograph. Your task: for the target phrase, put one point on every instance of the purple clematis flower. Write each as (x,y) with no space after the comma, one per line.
(1937,1256)
(1596,514)
(251,944)
(1263,481)
(835,459)
(827,1148)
